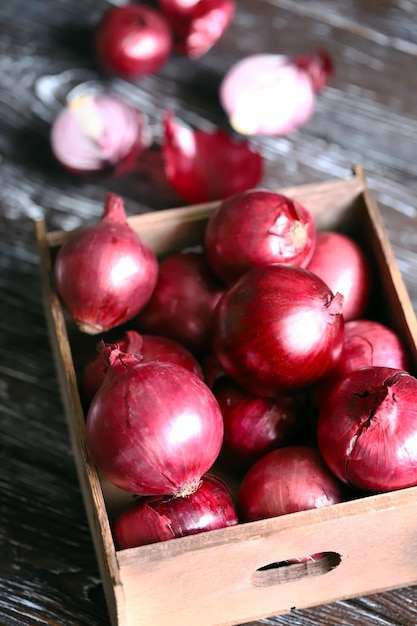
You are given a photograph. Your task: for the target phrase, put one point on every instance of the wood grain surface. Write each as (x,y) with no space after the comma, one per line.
(367,115)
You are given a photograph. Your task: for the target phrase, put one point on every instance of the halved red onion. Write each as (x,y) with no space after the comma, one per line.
(203,166)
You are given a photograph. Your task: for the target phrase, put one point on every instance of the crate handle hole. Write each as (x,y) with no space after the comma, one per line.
(279,572)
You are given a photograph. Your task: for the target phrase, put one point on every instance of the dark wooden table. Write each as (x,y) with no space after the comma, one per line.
(48,571)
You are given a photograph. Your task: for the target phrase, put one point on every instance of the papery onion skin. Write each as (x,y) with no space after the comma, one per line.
(103,272)
(133,41)
(149,347)
(367,429)
(207,165)
(258,227)
(183,301)
(287,480)
(345,268)
(255,425)
(152,519)
(278,329)
(153,428)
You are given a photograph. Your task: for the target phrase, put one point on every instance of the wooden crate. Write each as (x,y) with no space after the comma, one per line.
(242,573)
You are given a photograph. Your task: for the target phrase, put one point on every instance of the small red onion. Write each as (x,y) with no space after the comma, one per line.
(272,94)
(278,329)
(198,24)
(203,166)
(345,268)
(367,429)
(153,428)
(288,480)
(99,132)
(132,41)
(103,273)
(258,227)
(182,304)
(154,519)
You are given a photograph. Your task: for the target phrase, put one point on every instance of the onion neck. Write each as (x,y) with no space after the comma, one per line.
(114,210)
(335,306)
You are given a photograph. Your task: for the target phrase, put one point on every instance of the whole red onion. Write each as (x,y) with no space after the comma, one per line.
(153,428)
(258,227)
(103,273)
(96,132)
(367,429)
(287,480)
(278,329)
(255,425)
(154,519)
(133,40)
(182,304)
(345,268)
(149,348)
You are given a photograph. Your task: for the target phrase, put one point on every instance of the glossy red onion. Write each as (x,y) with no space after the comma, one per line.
(182,304)
(153,428)
(287,480)
(258,227)
(198,24)
(203,166)
(255,425)
(97,132)
(278,329)
(149,348)
(103,272)
(344,266)
(133,41)
(154,519)
(272,94)
(367,429)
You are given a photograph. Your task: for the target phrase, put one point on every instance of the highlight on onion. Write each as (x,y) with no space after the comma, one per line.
(287,480)
(258,227)
(367,429)
(345,268)
(153,519)
(202,166)
(133,40)
(153,428)
(97,132)
(103,272)
(278,329)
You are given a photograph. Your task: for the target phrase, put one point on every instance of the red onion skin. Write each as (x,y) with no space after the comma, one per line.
(345,268)
(367,429)
(150,348)
(103,273)
(255,228)
(154,519)
(278,330)
(183,301)
(133,41)
(287,480)
(153,428)
(254,425)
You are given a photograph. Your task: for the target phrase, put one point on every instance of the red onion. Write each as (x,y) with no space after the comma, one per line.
(258,227)
(254,425)
(103,272)
(288,480)
(154,519)
(203,166)
(343,265)
(278,329)
(182,304)
(133,40)
(367,429)
(153,428)
(272,94)
(99,132)
(149,347)
(198,24)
